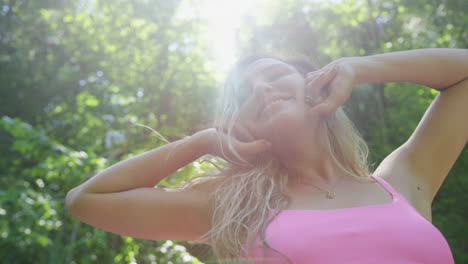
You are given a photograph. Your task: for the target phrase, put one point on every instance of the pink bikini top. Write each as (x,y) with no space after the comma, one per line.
(393,233)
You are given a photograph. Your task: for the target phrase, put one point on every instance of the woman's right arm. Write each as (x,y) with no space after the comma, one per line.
(122,198)
(146,169)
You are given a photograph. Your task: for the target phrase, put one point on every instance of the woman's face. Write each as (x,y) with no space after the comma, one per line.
(273,104)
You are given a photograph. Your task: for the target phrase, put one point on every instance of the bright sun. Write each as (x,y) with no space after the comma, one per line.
(223,18)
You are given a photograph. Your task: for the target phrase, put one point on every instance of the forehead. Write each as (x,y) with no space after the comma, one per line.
(262,65)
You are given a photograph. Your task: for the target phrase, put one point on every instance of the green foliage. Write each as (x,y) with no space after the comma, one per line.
(77,76)
(37,174)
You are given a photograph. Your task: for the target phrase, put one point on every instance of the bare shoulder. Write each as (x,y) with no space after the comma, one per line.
(395,170)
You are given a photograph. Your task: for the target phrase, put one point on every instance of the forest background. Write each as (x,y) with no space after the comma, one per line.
(78,76)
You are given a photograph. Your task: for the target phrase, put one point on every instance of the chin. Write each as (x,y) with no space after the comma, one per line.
(282,128)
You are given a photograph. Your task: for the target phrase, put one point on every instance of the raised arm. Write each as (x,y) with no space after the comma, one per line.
(442,133)
(435,68)
(440,137)
(438,140)
(144,170)
(122,198)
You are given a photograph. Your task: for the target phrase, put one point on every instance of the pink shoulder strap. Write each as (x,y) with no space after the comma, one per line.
(385,185)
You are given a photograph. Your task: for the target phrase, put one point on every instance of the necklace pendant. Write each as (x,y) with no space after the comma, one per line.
(330,195)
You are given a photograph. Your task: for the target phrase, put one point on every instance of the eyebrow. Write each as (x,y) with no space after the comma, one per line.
(275,68)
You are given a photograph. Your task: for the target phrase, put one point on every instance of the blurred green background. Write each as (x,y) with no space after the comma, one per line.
(78,76)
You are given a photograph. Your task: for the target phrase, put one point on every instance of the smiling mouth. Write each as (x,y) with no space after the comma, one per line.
(268,106)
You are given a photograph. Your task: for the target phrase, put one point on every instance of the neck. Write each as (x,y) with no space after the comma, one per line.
(306,159)
(310,165)
(318,172)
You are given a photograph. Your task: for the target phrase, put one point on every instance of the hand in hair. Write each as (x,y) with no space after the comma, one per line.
(330,87)
(217,143)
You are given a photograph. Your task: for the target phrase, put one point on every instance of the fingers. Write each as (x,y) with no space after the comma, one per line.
(332,81)
(324,108)
(239,131)
(255,147)
(242,151)
(243,133)
(316,81)
(245,146)
(339,93)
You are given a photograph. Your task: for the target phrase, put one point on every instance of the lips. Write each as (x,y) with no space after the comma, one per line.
(271,102)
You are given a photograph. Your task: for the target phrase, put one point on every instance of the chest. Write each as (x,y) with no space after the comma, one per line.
(352,194)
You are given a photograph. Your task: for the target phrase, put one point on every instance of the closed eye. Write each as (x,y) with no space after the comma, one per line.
(277,76)
(277,73)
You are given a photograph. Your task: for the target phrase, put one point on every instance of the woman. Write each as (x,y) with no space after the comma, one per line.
(294,186)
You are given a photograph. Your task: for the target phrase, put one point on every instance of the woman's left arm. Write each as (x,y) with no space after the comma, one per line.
(435,68)
(441,135)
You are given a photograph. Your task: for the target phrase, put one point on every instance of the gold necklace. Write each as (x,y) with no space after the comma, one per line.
(330,194)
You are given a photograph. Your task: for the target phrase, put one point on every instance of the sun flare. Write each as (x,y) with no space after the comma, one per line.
(223,19)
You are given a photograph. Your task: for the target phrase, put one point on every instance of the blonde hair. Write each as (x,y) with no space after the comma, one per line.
(250,196)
